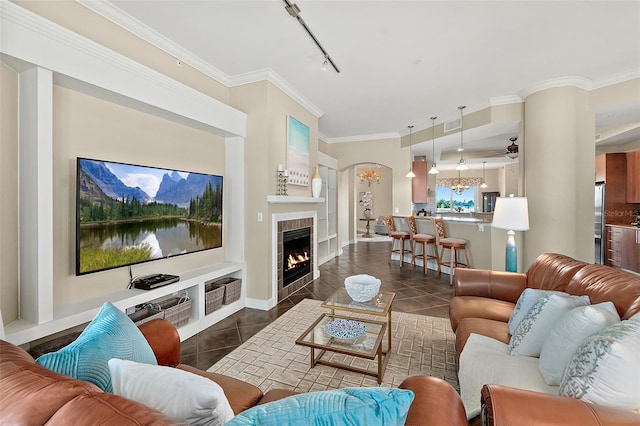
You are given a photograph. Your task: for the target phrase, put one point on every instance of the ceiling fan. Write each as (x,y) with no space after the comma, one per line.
(510,151)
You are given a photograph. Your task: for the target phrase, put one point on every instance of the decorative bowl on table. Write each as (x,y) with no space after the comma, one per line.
(345,329)
(362,288)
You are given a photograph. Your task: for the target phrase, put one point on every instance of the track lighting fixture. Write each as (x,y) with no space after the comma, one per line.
(434,170)
(294,11)
(325,63)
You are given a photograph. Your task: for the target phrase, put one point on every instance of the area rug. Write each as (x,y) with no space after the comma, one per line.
(421,345)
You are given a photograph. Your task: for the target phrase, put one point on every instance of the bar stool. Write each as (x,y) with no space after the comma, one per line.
(425,240)
(400,236)
(451,244)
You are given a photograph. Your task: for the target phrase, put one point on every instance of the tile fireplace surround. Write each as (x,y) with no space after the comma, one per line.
(288,225)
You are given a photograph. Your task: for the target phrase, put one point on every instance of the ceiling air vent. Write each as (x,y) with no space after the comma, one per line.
(451,125)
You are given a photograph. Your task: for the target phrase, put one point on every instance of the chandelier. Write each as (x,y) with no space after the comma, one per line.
(459,188)
(369,176)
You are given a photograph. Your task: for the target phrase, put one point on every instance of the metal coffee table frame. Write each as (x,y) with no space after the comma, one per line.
(315,338)
(378,306)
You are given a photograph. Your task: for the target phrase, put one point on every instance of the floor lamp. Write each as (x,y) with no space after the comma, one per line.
(511,213)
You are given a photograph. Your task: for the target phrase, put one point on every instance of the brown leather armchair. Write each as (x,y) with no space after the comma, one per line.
(506,406)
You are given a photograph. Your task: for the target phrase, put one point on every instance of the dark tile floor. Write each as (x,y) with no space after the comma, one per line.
(415,293)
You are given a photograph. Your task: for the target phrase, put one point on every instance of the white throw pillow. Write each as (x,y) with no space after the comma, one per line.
(527,299)
(485,360)
(529,336)
(568,334)
(183,396)
(605,369)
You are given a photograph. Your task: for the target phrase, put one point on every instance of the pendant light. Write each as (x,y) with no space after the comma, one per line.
(461,164)
(484,181)
(434,169)
(410,174)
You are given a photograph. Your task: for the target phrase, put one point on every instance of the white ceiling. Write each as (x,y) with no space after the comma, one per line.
(402,61)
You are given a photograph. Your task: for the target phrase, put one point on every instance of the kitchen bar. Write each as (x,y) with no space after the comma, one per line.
(486,245)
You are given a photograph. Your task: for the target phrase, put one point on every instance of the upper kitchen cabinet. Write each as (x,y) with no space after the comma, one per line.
(420,183)
(633,176)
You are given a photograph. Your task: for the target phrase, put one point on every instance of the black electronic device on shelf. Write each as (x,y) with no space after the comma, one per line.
(149,282)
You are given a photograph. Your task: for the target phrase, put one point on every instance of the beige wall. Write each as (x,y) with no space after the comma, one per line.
(267,109)
(84,126)
(560,164)
(8,193)
(386,152)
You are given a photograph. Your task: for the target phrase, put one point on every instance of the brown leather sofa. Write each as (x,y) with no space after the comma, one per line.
(33,395)
(483,303)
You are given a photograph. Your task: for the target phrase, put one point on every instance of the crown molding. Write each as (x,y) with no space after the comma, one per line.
(505,100)
(615,79)
(361,138)
(80,62)
(267,74)
(134,26)
(580,82)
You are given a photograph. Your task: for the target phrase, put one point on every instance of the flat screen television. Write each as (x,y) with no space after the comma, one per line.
(128,214)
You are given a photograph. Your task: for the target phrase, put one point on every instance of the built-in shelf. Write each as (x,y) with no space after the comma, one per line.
(327,219)
(286,199)
(193,282)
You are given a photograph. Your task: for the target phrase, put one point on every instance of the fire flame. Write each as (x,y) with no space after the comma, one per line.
(295,258)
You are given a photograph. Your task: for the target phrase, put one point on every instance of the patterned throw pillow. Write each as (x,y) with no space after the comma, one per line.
(527,299)
(605,369)
(529,336)
(568,334)
(111,334)
(347,406)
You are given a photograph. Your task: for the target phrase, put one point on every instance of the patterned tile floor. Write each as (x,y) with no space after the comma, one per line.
(415,293)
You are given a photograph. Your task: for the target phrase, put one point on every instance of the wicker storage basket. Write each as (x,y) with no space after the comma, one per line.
(213,295)
(232,288)
(145,314)
(177,309)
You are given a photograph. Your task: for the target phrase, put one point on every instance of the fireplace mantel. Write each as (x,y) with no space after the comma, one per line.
(293,200)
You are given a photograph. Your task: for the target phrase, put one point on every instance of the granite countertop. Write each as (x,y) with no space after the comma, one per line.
(455,218)
(623,225)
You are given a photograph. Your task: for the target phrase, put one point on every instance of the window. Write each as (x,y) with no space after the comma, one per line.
(449,201)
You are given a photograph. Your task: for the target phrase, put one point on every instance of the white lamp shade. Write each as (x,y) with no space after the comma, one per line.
(511,213)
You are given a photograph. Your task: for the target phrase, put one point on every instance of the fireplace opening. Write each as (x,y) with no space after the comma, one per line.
(296,255)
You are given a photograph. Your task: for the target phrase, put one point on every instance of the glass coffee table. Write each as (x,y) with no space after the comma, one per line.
(378,306)
(368,346)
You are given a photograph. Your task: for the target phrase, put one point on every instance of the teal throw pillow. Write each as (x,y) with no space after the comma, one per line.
(347,406)
(111,334)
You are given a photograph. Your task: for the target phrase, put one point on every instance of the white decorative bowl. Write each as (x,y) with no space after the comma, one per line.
(362,288)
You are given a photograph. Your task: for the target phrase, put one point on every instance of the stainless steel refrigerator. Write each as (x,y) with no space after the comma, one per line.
(599,222)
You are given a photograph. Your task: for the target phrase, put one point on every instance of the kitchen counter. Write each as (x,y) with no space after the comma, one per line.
(623,226)
(485,244)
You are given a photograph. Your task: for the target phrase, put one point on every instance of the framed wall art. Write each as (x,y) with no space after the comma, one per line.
(297,152)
